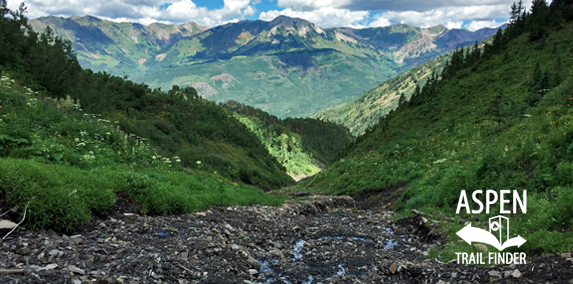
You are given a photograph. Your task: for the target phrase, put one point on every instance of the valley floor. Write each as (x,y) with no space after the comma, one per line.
(321,240)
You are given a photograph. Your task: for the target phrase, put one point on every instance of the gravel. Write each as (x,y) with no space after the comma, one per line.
(323,240)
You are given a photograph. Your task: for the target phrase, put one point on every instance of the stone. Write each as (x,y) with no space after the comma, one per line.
(494,273)
(441,282)
(253,262)
(566,254)
(23,250)
(56,253)
(235,247)
(253,272)
(76,281)
(51,266)
(393,268)
(516,274)
(76,270)
(7,225)
(130,217)
(278,253)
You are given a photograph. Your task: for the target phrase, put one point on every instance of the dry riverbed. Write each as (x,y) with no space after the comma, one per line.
(326,240)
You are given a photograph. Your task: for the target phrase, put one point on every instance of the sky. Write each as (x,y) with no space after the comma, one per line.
(468,14)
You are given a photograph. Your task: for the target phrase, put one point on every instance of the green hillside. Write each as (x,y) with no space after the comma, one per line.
(303,146)
(288,67)
(73,141)
(497,119)
(118,48)
(366,110)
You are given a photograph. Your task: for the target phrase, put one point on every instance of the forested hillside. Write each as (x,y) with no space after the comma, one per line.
(66,130)
(496,118)
(365,111)
(302,145)
(288,67)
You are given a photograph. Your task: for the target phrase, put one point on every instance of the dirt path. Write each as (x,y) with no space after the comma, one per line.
(326,240)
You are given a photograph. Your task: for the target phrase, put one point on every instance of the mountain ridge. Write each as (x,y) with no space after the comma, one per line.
(289,67)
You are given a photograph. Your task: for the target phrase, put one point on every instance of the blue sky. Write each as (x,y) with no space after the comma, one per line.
(470,14)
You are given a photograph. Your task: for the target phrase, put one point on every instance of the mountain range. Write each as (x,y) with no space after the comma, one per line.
(287,67)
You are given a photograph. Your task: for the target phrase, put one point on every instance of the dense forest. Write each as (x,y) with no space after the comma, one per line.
(497,117)
(302,145)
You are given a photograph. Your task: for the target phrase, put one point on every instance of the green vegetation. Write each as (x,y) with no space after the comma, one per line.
(500,118)
(165,152)
(287,67)
(365,111)
(69,165)
(302,146)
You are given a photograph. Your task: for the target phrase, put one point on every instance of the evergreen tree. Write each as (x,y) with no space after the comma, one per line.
(539,18)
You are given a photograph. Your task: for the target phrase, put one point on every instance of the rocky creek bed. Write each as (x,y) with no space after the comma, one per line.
(325,240)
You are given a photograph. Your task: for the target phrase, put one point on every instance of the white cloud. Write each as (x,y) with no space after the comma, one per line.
(312,4)
(451,17)
(380,22)
(476,25)
(324,13)
(325,17)
(142,11)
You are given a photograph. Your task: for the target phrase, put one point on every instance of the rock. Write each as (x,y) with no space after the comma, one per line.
(76,270)
(78,240)
(76,281)
(494,273)
(278,253)
(56,253)
(441,282)
(7,225)
(200,214)
(235,247)
(393,268)
(23,250)
(516,274)
(253,272)
(50,266)
(130,217)
(566,254)
(253,262)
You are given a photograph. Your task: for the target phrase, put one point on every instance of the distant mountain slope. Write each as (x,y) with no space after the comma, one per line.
(366,110)
(103,45)
(287,67)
